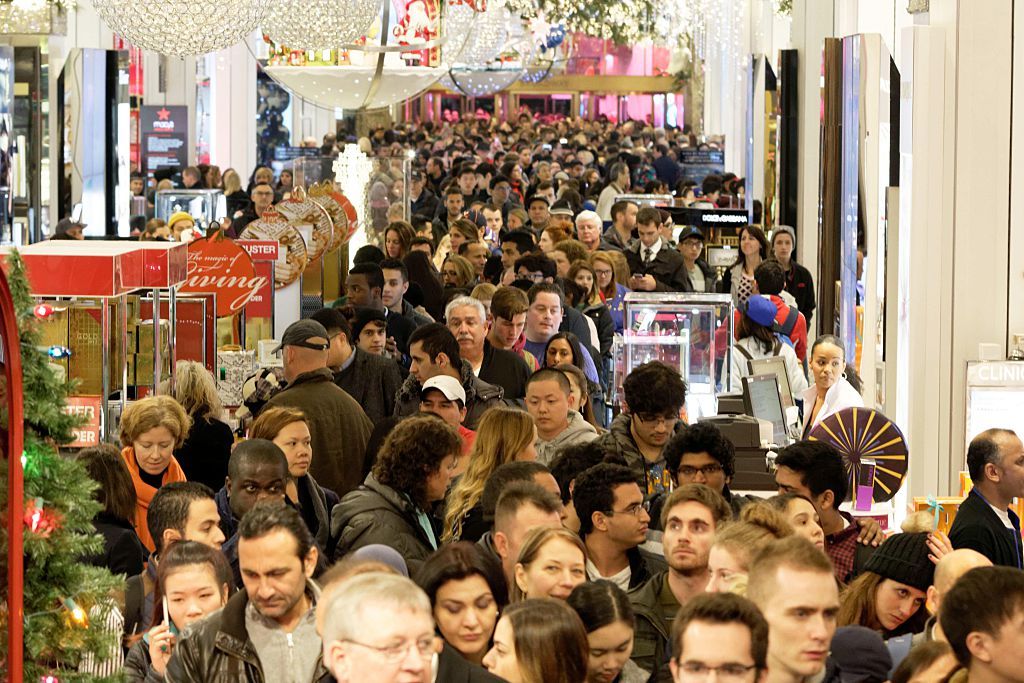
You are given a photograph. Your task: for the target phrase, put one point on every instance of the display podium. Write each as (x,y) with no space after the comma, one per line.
(689,332)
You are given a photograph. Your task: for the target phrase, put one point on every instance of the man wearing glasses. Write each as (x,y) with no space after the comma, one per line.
(378,628)
(721,633)
(613,524)
(653,396)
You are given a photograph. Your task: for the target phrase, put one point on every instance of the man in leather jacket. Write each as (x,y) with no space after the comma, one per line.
(268,631)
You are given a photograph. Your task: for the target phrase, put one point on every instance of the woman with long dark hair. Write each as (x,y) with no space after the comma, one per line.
(739,278)
(192,581)
(608,618)
(423,274)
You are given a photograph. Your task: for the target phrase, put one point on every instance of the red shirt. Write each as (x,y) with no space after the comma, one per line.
(468,439)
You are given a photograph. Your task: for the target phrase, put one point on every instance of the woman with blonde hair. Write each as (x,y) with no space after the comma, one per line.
(552,562)
(503,435)
(737,543)
(204,454)
(608,280)
(151,429)
(517,219)
(236,198)
(457,272)
(289,430)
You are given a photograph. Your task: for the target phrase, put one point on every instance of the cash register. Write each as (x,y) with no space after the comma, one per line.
(755,422)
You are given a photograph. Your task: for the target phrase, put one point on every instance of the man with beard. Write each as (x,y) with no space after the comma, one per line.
(689,518)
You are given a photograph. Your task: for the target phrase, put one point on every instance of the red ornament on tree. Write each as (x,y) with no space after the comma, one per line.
(40,520)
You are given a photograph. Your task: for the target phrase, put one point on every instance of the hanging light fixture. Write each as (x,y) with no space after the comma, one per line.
(319,24)
(408,47)
(182,27)
(495,56)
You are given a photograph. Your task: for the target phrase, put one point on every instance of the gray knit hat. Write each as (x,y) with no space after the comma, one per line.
(784,229)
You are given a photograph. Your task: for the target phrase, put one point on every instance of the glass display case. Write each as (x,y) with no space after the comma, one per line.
(205,206)
(689,332)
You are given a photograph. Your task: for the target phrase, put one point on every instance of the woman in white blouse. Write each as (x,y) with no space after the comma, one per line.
(830,392)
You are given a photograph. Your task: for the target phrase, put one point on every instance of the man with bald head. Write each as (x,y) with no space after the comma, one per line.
(950,568)
(984,522)
(337,423)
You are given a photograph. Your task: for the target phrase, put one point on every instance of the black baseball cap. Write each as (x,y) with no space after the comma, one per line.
(691,231)
(309,334)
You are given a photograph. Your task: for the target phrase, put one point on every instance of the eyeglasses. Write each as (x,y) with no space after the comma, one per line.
(658,420)
(393,654)
(633,509)
(699,671)
(706,470)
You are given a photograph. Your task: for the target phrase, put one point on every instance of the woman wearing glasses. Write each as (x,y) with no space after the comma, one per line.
(830,392)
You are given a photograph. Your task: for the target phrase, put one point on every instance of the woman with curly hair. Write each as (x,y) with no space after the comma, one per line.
(392,507)
(503,435)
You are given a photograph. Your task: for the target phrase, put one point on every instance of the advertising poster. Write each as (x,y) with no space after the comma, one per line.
(164,137)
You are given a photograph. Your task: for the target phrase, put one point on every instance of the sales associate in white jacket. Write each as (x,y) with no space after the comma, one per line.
(830,392)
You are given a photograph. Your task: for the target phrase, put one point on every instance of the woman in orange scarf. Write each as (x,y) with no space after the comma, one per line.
(151,430)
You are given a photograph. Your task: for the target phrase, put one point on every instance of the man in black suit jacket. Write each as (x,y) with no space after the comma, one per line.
(984,522)
(656,267)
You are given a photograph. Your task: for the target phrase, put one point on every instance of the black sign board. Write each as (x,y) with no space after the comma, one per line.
(164,137)
(697,164)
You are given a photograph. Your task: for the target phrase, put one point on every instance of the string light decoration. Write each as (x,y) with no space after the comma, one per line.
(182,27)
(352,171)
(319,24)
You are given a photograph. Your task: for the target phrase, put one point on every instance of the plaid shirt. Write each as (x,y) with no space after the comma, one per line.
(842,549)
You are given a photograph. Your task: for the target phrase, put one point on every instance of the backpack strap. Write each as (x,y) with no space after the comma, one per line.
(787,326)
(776,347)
(743,352)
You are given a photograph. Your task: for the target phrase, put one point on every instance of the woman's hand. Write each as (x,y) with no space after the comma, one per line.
(161,646)
(938,546)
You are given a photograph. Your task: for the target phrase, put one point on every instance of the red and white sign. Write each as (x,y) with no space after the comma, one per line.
(219,266)
(87,407)
(264,254)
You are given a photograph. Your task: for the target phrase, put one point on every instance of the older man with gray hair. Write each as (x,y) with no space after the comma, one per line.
(378,628)
(588,231)
(468,321)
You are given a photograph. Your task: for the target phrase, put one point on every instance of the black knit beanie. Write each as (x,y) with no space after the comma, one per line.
(904,558)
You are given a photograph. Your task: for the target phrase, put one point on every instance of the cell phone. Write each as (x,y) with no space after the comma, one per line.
(546,147)
(167,618)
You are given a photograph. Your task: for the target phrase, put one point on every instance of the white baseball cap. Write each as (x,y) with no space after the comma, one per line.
(447,385)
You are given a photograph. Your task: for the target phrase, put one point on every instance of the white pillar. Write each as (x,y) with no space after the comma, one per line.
(975,218)
(916,335)
(812,23)
(233,115)
(172,83)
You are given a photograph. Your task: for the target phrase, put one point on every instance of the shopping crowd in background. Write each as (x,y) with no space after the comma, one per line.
(435,486)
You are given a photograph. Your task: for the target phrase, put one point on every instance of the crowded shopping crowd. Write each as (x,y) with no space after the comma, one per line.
(441,482)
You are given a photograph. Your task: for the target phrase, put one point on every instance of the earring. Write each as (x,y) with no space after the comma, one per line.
(844,375)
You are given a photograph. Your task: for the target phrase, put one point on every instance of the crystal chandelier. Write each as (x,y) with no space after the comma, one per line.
(182,27)
(319,24)
(488,37)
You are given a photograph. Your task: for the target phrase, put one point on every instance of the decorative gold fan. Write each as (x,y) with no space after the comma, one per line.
(864,433)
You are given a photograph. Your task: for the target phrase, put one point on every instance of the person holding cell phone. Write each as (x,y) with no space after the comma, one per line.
(193,580)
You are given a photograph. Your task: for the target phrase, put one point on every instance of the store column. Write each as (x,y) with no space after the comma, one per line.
(813,21)
(968,274)
(233,115)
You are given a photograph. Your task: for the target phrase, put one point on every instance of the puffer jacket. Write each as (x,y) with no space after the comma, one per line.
(378,514)
(618,440)
(219,649)
(479,397)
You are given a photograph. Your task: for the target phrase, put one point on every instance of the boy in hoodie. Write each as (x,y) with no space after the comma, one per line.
(554,413)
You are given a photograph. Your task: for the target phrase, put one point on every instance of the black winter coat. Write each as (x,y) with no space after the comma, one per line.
(378,514)
(204,455)
(373,381)
(138,665)
(800,284)
(454,668)
(976,526)
(123,552)
(506,370)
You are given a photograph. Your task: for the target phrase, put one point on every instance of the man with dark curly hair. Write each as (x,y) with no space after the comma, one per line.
(412,472)
(654,395)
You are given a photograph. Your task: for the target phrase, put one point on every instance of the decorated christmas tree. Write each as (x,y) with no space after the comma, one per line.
(66,601)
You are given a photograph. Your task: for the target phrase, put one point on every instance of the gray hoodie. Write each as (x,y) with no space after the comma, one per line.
(578,431)
(293,655)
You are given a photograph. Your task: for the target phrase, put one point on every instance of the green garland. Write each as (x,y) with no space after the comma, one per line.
(56,580)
